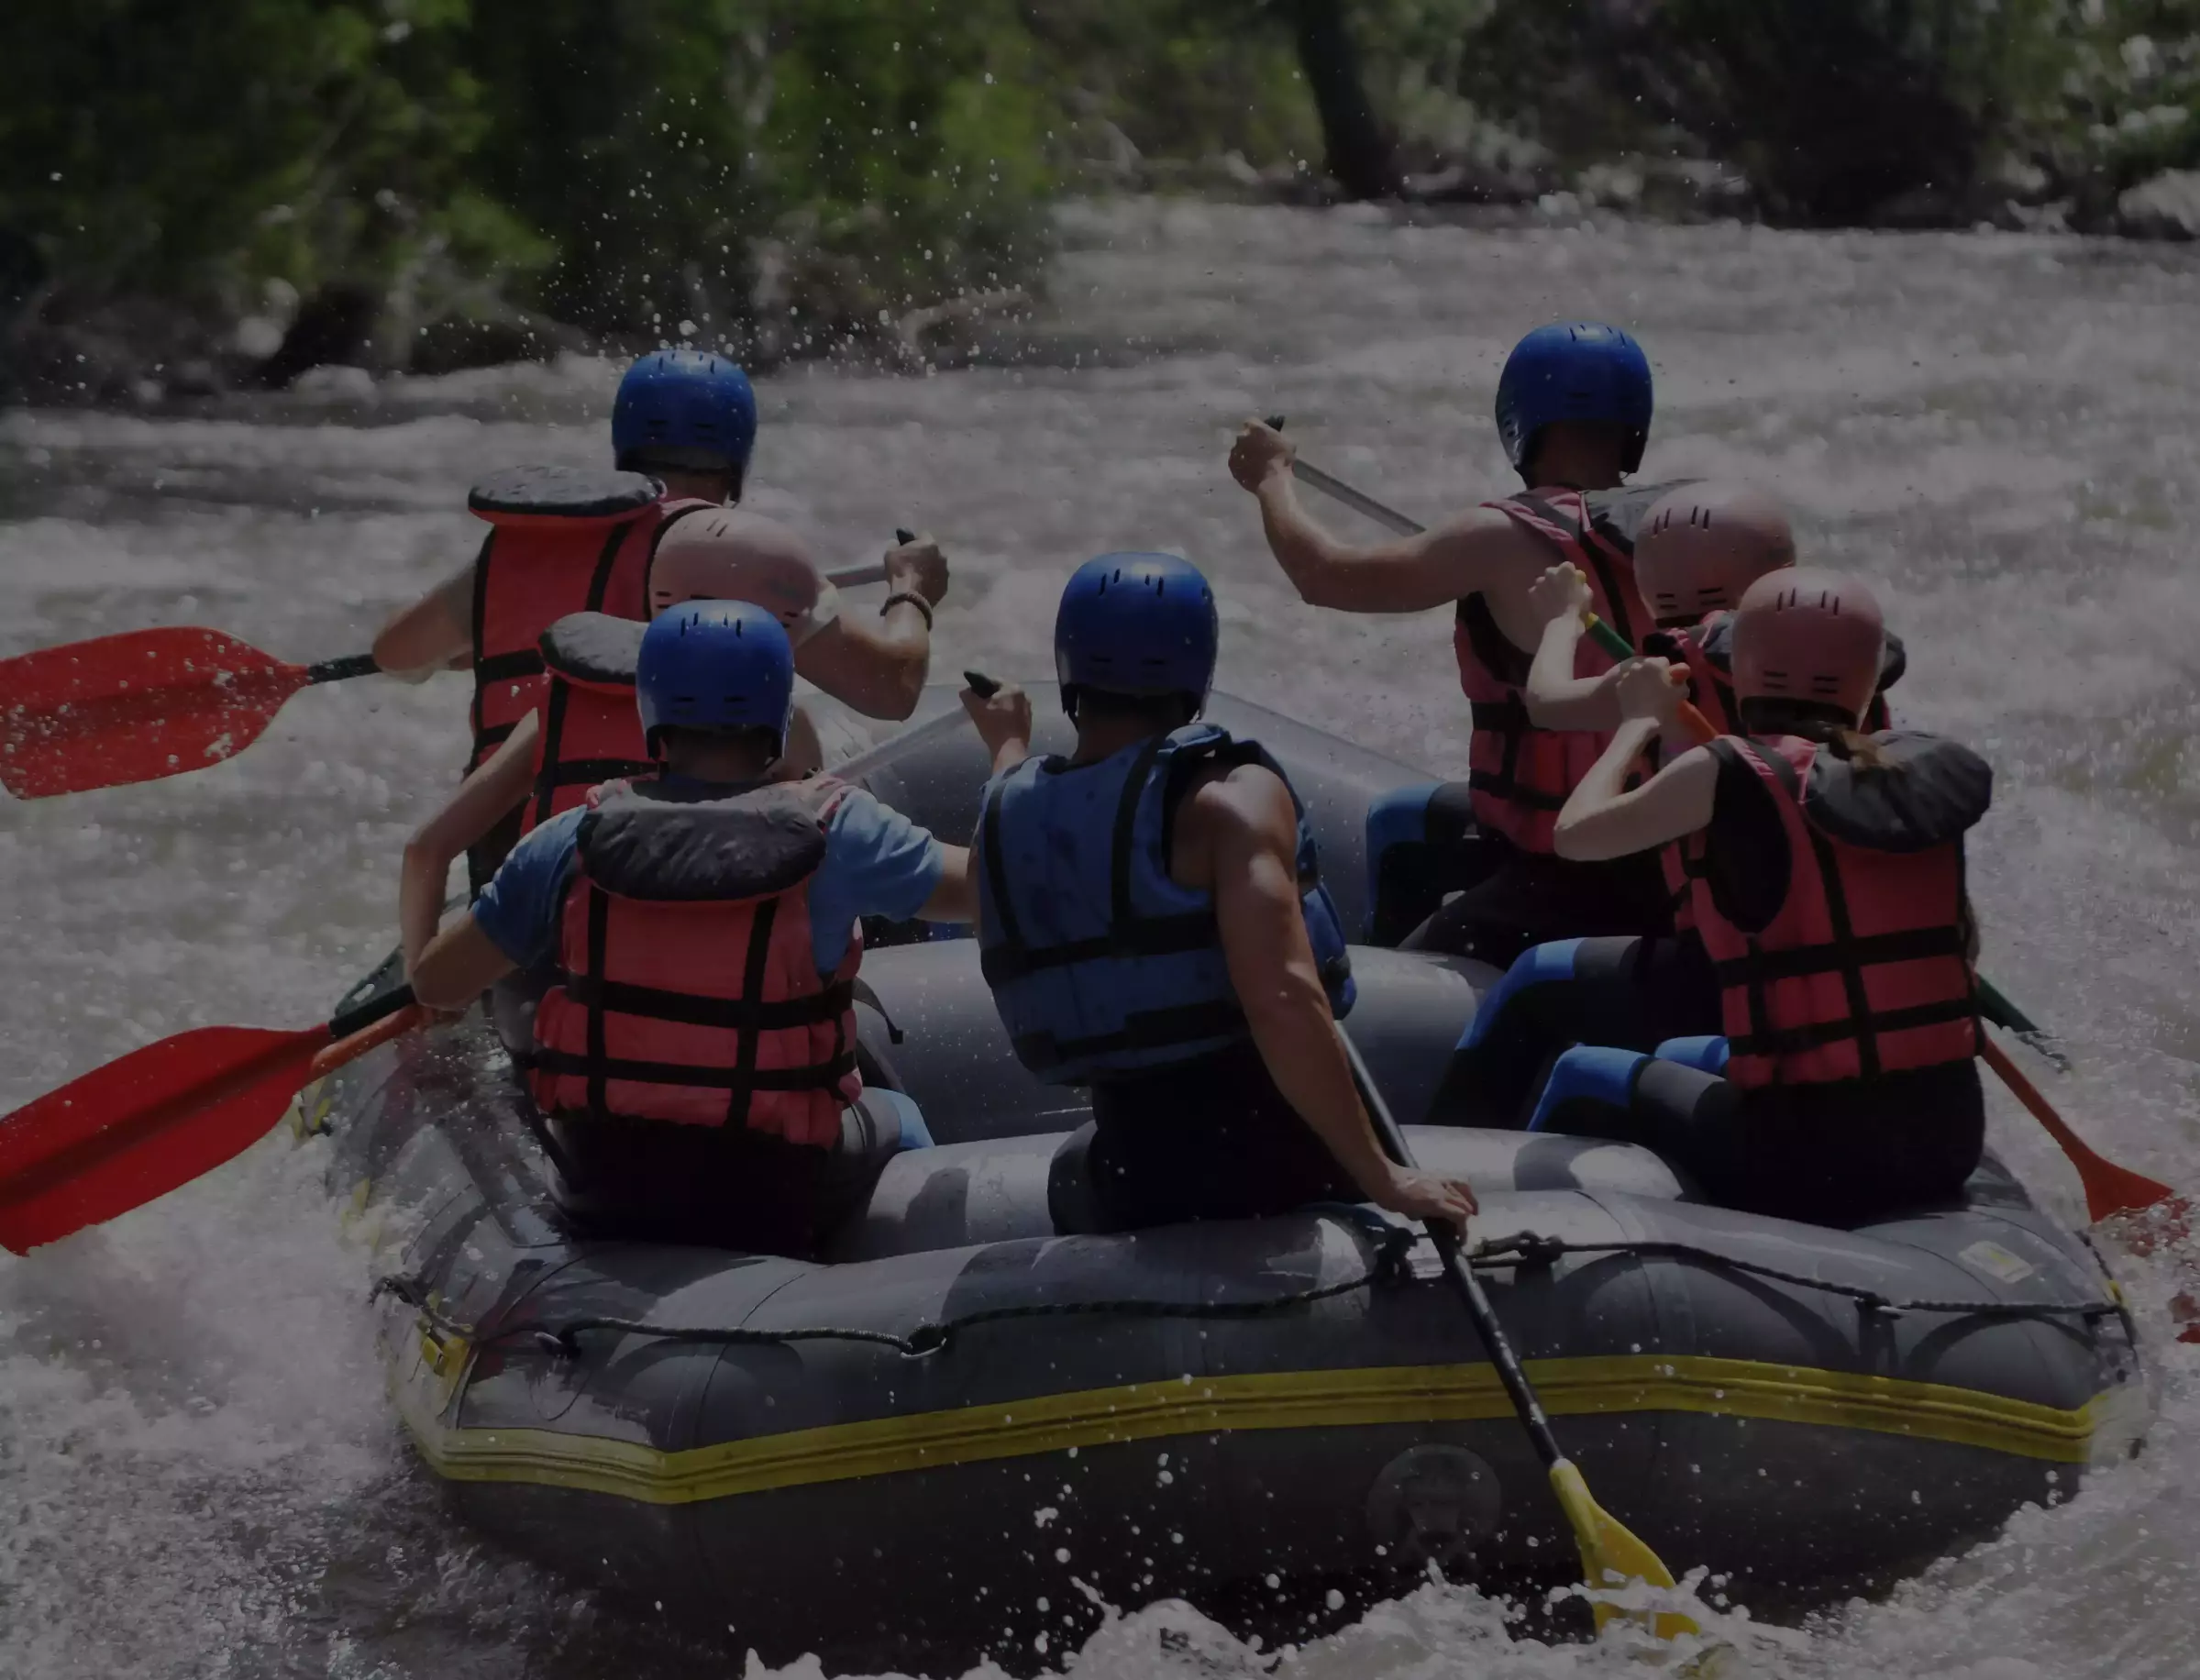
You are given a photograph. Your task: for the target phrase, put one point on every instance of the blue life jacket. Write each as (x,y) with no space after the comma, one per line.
(1100,963)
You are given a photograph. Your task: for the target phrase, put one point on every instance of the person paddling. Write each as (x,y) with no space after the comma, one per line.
(1574,409)
(584,729)
(695,1056)
(1698,551)
(1153,924)
(1831,900)
(683,427)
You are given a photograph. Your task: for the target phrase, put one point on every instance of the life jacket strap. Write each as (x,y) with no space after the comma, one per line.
(1149,1030)
(1769,1041)
(694,1010)
(1912,944)
(811,1075)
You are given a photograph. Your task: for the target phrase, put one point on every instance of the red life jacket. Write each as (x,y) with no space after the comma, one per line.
(1861,970)
(560,541)
(1519,775)
(590,732)
(689,990)
(1711,689)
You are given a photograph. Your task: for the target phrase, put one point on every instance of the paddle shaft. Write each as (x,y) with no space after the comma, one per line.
(342,670)
(1516,1387)
(855,577)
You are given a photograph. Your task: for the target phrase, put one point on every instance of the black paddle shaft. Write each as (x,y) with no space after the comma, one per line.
(1530,1409)
(373,1010)
(342,670)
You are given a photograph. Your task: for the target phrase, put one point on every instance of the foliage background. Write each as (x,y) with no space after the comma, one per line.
(425,182)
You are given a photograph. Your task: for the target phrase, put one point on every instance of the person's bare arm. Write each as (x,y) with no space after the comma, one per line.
(1555,697)
(955,898)
(878,664)
(1479,549)
(459,965)
(435,633)
(1238,835)
(481,802)
(1602,818)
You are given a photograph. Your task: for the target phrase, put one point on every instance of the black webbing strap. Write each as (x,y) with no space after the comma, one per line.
(806,1075)
(1160,1029)
(746,1036)
(1120,914)
(1910,945)
(599,1050)
(692,1010)
(1510,724)
(600,584)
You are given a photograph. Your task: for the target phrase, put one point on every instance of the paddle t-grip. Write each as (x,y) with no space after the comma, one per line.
(903,535)
(982,685)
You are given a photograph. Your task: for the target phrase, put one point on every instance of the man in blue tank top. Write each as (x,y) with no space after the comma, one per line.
(1152,925)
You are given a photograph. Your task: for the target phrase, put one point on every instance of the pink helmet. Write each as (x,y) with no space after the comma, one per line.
(1806,635)
(724,553)
(1701,546)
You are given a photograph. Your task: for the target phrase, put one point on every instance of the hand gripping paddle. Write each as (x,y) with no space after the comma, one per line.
(1610,1552)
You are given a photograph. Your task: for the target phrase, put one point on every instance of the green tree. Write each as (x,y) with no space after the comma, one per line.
(187,151)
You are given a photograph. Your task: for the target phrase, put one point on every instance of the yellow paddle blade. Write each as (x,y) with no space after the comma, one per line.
(1612,1555)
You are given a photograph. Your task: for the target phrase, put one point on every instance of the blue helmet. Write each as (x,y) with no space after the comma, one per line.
(715,666)
(684,408)
(1136,624)
(1574,370)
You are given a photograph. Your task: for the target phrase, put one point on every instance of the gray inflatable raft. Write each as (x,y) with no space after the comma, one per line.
(967,1430)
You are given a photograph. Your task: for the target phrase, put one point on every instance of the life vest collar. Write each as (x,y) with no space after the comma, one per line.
(1931,792)
(595,650)
(561,496)
(726,851)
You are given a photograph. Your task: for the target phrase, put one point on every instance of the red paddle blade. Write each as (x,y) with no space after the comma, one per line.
(134,708)
(141,1126)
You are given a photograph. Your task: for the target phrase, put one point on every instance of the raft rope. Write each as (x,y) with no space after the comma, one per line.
(1392,1265)
(1536,1250)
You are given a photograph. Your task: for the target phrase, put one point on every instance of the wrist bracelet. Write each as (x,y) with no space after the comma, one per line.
(913,599)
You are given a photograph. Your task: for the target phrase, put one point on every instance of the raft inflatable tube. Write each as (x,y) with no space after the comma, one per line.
(976,1424)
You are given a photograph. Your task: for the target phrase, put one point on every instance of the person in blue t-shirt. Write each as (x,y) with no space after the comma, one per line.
(694,1054)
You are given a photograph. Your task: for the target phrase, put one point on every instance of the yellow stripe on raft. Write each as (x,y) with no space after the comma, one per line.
(1265,1400)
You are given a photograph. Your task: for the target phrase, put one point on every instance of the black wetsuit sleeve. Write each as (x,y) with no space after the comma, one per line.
(1746,854)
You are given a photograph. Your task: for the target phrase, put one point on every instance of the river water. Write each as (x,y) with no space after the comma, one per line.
(198,1474)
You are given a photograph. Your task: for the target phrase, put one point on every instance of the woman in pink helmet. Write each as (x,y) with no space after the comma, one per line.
(1831,900)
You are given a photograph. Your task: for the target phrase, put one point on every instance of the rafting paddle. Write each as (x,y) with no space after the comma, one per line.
(147,704)
(141,705)
(1610,1552)
(150,1121)
(2109,1189)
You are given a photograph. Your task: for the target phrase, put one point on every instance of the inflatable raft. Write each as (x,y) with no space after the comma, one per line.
(976,1425)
